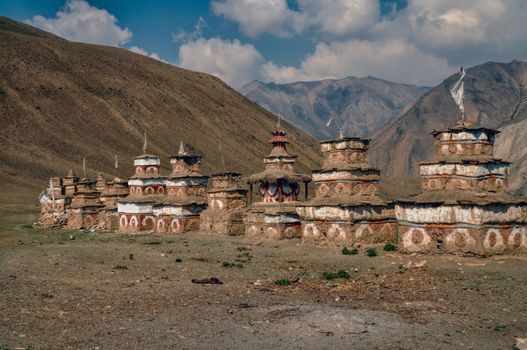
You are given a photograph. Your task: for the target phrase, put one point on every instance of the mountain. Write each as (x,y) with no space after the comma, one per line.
(62,101)
(495,97)
(358,105)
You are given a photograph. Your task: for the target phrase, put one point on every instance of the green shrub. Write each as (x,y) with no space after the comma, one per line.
(343,274)
(371,252)
(153,242)
(333,275)
(352,251)
(329,275)
(389,248)
(283,282)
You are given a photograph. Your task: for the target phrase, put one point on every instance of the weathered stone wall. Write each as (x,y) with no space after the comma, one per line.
(465,143)
(272,226)
(477,229)
(345,152)
(79,219)
(339,233)
(228,223)
(488,176)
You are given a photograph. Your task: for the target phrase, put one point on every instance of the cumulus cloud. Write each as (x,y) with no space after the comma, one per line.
(143,52)
(256,16)
(421,43)
(79,21)
(394,60)
(233,62)
(340,16)
(182,36)
(461,31)
(275,17)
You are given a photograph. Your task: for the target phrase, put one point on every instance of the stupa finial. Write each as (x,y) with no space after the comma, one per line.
(144,144)
(181,149)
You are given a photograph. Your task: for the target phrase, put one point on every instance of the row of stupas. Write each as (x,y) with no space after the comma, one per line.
(464,206)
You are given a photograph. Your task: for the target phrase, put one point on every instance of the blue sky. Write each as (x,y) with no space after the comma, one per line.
(414,41)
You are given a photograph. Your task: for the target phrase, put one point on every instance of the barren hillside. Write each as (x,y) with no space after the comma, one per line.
(61,101)
(357,105)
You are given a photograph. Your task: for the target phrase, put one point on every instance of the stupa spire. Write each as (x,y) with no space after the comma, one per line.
(145,144)
(181,149)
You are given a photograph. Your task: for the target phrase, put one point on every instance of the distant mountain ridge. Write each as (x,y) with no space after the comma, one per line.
(356,105)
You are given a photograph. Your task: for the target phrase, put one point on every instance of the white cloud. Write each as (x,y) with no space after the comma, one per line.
(340,16)
(275,17)
(143,52)
(233,62)
(463,31)
(79,21)
(183,36)
(394,60)
(421,44)
(258,16)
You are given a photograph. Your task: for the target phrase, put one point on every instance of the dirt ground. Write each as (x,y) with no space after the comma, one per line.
(83,290)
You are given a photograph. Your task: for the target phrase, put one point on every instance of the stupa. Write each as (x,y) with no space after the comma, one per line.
(227,202)
(347,207)
(275,215)
(464,206)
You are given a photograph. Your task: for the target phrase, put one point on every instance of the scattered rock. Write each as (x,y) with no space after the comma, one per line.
(521,343)
(212,280)
(420,264)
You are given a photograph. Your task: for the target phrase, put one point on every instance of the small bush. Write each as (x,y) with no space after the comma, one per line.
(499,328)
(179,260)
(371,252)
(389,248)
(153,242)
(283,282)
(329,275)
(333,275)
(228,265)
(352,251)
(343,274)
(131,256)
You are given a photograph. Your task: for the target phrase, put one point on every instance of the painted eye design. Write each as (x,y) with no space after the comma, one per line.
(263,189)
(273,187)
(286,189)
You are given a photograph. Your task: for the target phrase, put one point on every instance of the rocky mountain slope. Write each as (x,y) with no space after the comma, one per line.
(495,97)
(357,105)
(62,101)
